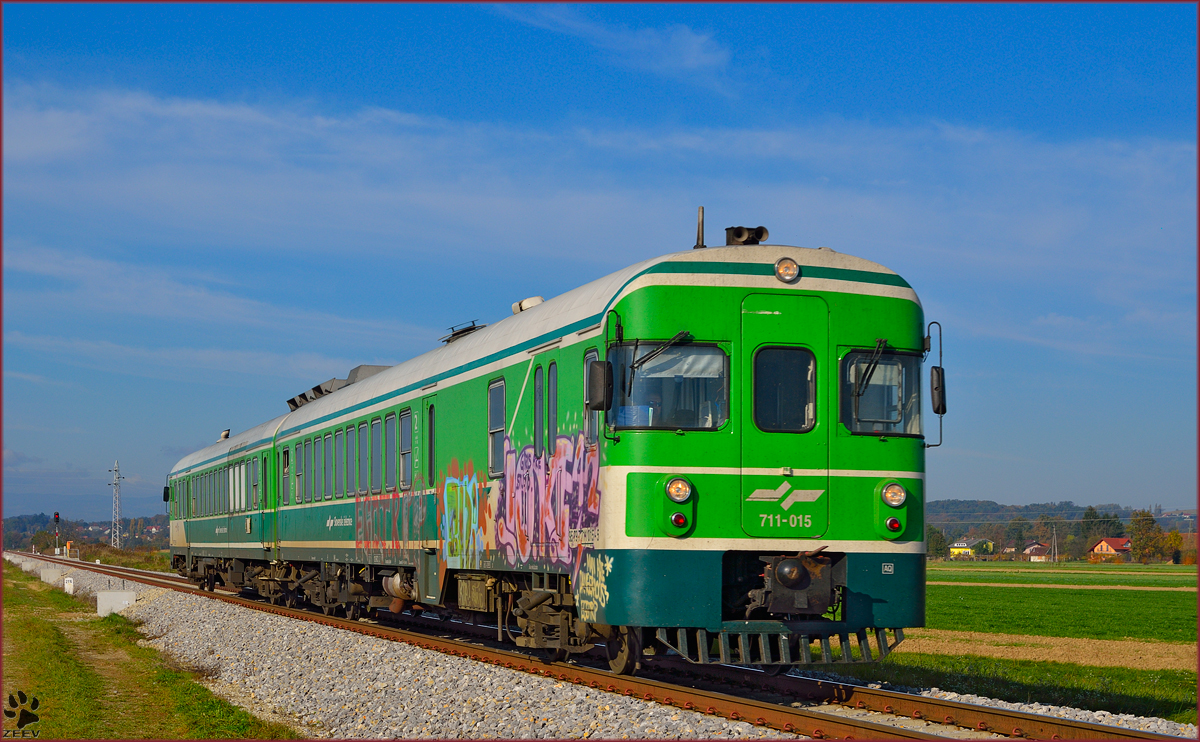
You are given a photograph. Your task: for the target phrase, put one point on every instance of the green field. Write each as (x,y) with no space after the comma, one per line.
(1084,614)
(1059,574)
(1169,694)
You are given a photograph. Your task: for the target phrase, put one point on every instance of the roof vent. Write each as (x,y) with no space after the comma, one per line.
(529,303)
(462,330)
(745,235)
(224,435)
(358,373)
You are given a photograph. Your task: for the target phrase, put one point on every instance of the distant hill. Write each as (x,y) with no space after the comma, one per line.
(20,531)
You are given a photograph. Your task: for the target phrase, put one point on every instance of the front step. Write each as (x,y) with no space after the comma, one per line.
(775,648)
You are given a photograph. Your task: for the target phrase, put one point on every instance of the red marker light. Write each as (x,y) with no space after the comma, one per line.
(679,520)
(893,524)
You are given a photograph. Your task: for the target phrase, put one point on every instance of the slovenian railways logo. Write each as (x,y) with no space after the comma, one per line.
(338,522)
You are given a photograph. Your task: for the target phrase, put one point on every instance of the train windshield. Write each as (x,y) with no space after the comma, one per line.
(881,394)
(680,387)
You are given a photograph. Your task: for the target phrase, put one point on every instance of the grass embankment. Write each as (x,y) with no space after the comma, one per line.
(1169,694)
(158,560)
(93,681)
(1083,614)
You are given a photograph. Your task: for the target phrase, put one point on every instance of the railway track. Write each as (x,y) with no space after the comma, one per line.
(729,692)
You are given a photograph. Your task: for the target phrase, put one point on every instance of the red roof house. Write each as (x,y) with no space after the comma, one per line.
(1111,546)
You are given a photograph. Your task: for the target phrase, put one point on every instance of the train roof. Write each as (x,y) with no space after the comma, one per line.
(578,310)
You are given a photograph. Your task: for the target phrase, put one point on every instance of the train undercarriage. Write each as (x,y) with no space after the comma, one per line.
(781,619)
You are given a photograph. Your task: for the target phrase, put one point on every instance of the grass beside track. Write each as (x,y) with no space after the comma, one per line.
(1083,614)
(158,560)
(1169,694)
(93,681)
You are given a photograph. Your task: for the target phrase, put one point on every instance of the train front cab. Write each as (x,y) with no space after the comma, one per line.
(784,417)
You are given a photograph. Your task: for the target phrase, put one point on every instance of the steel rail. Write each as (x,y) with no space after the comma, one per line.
(759,712)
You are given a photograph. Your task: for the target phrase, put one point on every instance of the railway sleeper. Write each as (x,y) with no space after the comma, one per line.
(777,649)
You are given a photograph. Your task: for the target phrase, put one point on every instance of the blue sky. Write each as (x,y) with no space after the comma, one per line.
(209,208)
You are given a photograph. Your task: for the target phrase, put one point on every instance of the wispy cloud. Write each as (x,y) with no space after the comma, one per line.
(675,51)
(1101,230)
(90,284)
(181,362)
(15,459)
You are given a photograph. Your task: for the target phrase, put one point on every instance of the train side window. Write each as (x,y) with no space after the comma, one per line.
(243,485)
(496,428)
(376,451)
(362,457)
(254,483)
(539,407)
(406,450)
(591,417)
(329,467)
(191,495)
(285,475)
(389,448)
(552,408)
(239,499)
(430,462)
(339,462)
(305,472)
(298,465)
(320,469)
(351,468)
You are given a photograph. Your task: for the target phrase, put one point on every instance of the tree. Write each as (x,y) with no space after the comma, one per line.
(1113,527)
(1173,543)
(1145,536)
(935,543)
(1017,533)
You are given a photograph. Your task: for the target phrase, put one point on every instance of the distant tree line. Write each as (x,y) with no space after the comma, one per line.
(25,531)
(950,521)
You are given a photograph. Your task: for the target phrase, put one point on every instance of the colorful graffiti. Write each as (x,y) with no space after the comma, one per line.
(591,588)
(465,518)
(548,509)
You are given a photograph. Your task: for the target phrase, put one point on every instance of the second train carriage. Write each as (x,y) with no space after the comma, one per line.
(717,452)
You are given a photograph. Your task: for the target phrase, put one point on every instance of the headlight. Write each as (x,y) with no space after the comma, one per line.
(787,270)
(894,495)
(679,490)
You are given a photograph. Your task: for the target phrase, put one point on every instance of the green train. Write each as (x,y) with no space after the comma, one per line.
(716,453)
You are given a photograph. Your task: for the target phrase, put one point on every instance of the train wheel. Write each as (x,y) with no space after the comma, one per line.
(354,611)
(289,598)
(554,655)
(773,670)
(624,650)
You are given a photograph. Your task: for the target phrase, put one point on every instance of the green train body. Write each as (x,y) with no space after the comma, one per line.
(487,485)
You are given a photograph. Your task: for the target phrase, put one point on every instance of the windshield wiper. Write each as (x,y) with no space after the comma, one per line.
(639,362)
(683,334)
(861,387)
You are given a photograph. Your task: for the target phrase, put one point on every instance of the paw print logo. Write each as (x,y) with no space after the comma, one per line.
(21,708)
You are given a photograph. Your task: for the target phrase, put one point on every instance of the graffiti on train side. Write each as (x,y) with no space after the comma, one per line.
(388,526)
(542,512)
(592,585)
(546,506)
(465,517)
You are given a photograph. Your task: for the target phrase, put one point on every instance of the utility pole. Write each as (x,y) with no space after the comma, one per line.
(116,519)
(1054,534)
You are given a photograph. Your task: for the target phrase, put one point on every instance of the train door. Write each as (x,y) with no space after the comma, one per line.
(785,433)
(429,576)
(260,496)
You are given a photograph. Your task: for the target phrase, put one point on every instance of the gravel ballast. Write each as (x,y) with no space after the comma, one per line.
(340,684)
